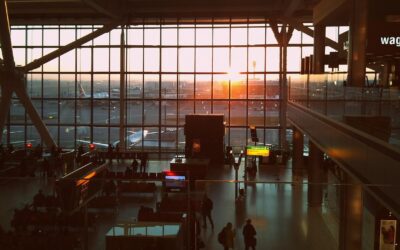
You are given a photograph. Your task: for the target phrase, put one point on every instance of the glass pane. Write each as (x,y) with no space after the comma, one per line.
(169,36)
(238,87)
(115,60)
(18,37)
(203,86)
(256,113)
(186,60)
(67,36)
(272,86)
(135,59)
(257,35)
(221,60)
(151,115)
(151,59)
(256,86)
(272,113)
(151,86)
(152,36)
(134,112)
(50,111)
(168,87)
(67,112)
(134,86)
(67,61)
(203,107)
(186,86)
(185,108)
(239,36)
(293,59)
(135,36)
(256,59)
(169,60)
(203,59)
(168,112)
(203,36)
(238,60)
(221,87)
(100,59)
(186,36)
(50,86)
(221,107)
(238,113)
(237,137)
(221,36)
(67,86)
(273,59)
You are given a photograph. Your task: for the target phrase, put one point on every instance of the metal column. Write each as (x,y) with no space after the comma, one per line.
(122,94)
(315,176)
(319,49)
(357,42)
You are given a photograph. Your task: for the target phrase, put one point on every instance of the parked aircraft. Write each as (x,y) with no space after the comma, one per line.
(134,138)
(97,95)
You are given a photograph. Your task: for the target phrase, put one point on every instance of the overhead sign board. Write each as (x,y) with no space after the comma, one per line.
(257,151)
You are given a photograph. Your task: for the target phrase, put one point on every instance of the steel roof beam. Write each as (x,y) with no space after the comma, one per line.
(73,45)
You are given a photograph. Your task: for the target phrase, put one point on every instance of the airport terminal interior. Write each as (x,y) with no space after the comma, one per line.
(199,124)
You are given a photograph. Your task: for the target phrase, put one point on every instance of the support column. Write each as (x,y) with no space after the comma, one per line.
(5,104)
(298,141)
(315,173)
(351,206)
(356,60)
(122,94)
(283,88)
(319,49)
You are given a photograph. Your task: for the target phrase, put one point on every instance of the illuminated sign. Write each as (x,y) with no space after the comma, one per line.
(387,235)
(257,151)
(86,179)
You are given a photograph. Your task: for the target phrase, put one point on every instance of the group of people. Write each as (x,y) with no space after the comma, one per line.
(133,168)
(227,235)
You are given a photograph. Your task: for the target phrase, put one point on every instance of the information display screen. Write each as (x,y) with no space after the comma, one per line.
(175,182)
(257,151)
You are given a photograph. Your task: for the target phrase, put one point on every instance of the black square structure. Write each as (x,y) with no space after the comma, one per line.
(205,137)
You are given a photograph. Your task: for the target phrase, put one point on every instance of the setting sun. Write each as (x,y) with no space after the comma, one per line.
(233,75)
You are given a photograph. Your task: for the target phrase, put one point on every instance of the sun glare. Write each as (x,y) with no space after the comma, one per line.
(233,75)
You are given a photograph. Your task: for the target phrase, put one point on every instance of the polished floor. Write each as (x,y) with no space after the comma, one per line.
(276,202)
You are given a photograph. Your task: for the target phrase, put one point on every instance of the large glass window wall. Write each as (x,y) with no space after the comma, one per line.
(171,71)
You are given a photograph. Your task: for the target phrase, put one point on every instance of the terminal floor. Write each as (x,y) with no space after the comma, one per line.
(277,206)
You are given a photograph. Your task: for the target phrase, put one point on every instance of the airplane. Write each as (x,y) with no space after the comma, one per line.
(97,95)
(134,138)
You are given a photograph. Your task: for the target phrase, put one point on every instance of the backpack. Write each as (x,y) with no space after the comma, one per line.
(221,236)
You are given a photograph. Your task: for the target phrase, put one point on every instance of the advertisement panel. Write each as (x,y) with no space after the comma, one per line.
(387,235)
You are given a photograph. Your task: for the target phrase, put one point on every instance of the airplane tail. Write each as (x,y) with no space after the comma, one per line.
(82,93)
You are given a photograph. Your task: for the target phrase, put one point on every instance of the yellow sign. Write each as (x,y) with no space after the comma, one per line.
(257,151)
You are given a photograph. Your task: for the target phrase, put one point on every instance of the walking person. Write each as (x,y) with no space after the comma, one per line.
(143,162)
(226,236)
(206,208)
(249,233)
